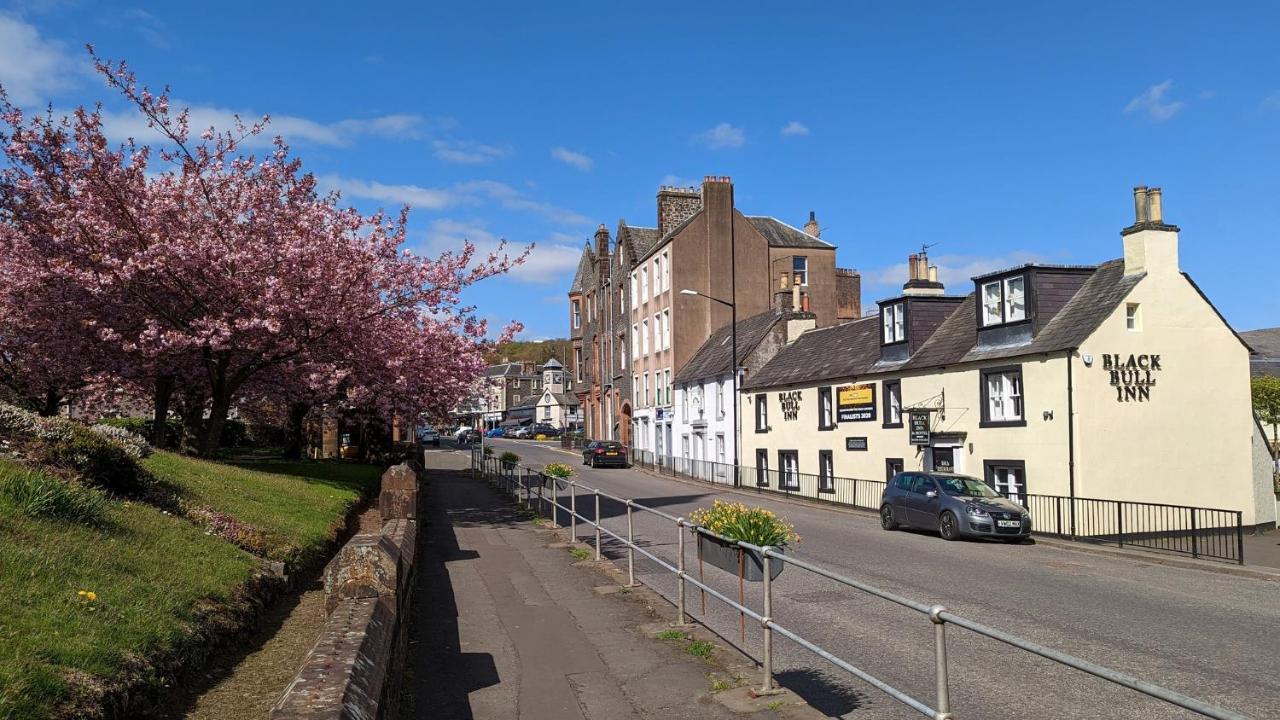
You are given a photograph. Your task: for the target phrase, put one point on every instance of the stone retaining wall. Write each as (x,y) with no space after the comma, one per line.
(354,670)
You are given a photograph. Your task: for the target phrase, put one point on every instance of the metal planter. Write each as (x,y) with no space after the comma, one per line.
(724,555)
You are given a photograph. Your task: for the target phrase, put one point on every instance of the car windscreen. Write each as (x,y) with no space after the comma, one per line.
(961,486)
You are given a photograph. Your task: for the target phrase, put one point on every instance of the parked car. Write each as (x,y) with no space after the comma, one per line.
(494,433)
(550,431)
(604,452)
(954,505)
(524,432)
(428,435)
(468,436)
(462,430)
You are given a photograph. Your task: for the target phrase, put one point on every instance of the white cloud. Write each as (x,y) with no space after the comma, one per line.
(120,125)
(954,271)
(1154,104)
(32,69)
(474,192)
(1271,102)
(569,157)
(467,152)
(152,29)
(546,263)
(795,127)
(722,137)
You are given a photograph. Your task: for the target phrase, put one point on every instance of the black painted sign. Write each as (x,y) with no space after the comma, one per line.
(855,443)
(1131,376)
(918,422)
(790,402)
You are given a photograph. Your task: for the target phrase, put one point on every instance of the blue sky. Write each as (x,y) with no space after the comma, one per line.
(1002,132)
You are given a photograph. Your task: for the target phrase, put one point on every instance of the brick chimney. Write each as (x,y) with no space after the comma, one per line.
(675,205)
(811,227)
(848,294)
(602,251)
(1150,244)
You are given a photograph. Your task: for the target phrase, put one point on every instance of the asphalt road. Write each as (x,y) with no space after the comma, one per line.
(1214,637)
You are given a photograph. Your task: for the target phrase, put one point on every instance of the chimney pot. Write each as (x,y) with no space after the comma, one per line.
(1140,204)
(1155,213)
(933,273)
(795,297)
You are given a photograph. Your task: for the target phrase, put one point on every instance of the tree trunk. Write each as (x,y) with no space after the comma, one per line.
(192,423)
(295,432)
(51,402)
(218,411)
(160,416)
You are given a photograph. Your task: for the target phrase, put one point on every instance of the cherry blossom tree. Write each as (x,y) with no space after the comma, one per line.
(196,268)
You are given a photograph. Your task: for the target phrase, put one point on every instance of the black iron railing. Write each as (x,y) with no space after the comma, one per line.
(1208,533)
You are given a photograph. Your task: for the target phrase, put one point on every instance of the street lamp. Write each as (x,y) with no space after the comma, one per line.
(733,333)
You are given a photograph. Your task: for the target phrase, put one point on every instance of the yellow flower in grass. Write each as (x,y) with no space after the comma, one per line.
(87,595)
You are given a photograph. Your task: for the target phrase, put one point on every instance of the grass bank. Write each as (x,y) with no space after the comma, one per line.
(100,608)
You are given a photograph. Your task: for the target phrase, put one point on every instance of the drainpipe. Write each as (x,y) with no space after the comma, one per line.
(1071,443)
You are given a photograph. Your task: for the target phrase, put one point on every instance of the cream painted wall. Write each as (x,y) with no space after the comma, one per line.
(1192,442)
(1042,443)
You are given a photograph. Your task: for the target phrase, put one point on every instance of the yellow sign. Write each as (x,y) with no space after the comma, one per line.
(850,395)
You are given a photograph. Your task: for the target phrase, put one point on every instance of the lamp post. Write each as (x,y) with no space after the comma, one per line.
(733,333)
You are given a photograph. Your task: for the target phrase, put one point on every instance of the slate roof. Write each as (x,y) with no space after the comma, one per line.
(635,240)
(852,349)
(586,270)
(552,363)
(1266,347)
(780,234)
(715,357)
(565,399)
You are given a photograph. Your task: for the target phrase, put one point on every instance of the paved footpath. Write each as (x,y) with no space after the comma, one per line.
(506,627)
(1208,635)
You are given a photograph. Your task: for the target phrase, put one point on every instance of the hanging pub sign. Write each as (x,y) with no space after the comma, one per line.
(855,443)
(856,403)
(918,422)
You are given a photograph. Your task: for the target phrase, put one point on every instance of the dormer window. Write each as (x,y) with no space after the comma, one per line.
(894,319)
(1004,301)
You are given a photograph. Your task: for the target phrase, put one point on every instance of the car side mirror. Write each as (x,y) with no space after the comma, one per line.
(931,494)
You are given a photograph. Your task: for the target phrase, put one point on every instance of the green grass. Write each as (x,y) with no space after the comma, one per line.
(671,635)
(149,572)
(699,648)
(298,506)
(580,553)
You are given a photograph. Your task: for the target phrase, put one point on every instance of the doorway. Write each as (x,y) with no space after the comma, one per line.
(944,459)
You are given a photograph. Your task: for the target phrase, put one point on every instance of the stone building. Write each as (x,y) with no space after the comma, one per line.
(1118,381)
(631,328)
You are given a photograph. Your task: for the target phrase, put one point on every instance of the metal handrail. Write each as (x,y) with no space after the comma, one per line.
(938,615)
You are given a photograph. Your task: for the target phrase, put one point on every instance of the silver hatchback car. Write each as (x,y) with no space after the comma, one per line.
(954,505)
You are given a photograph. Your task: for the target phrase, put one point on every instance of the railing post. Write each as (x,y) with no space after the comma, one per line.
(1195,542)
(1239,537)
(1119,524)
(573,511)
(680,571)
(597,494)
(631,549)
(766,685)
(1057,502)
(940,661)
(555,507)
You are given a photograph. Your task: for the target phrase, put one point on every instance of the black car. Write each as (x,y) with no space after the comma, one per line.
(468,436)
(604,452)
(550,431)
(953,505)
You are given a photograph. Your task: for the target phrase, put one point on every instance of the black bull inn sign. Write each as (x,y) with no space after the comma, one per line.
(1132,377)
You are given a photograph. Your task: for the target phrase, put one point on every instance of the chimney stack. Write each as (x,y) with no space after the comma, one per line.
(795,295)
(675,205)
(1150,245)
(922,278)
(811,227)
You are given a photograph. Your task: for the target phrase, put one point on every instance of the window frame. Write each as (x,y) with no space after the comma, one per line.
(783,484)
(577,314)
(988,475)
(826,471)
(1133,316)
(984,394)
(1002,283)
(826,393)
(888,397)
(762,467)
(893,308)
(893,466)
(762,412)
(803,261)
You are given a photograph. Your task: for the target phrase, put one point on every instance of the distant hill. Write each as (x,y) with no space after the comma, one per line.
(538,351)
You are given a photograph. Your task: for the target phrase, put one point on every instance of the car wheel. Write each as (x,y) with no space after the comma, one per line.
(949,526)
(886,518)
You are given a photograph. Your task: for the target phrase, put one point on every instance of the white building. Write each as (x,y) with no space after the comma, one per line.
(555,407)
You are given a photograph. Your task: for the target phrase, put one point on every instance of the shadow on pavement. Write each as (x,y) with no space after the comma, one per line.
(823,691)
(442,676)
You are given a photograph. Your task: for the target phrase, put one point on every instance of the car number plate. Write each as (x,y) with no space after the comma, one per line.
(1008,523)
(611,453)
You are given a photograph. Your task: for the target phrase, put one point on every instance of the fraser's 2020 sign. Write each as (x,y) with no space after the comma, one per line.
(856,403)
(1131,376)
